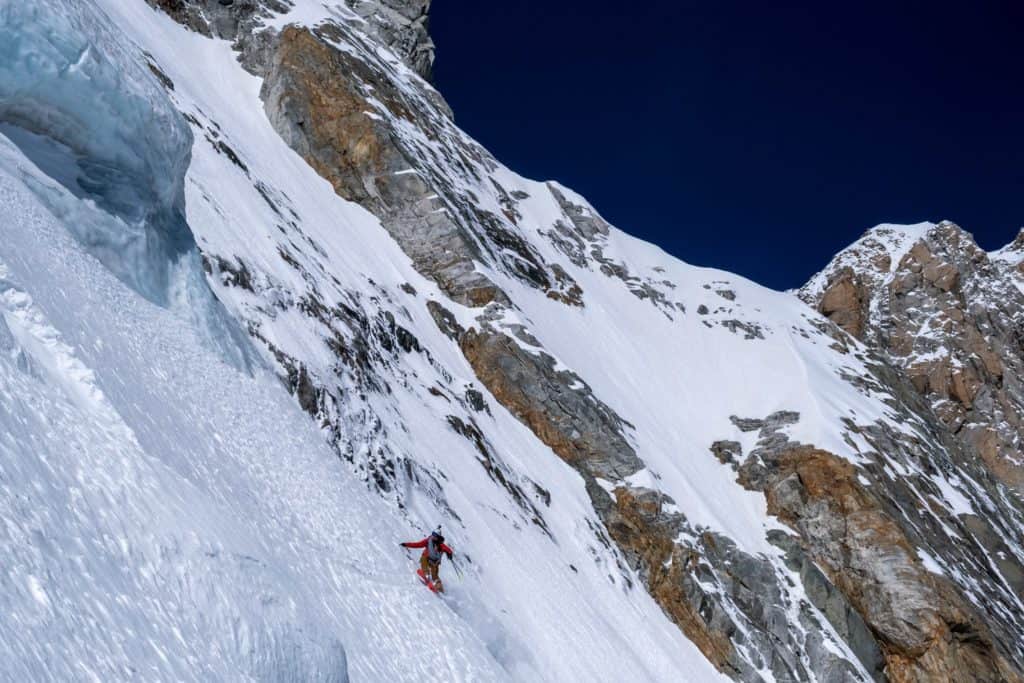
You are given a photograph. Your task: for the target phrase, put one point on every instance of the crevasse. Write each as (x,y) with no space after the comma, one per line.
(75,100)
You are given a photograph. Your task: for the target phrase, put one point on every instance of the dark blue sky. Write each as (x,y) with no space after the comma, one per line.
(748,136)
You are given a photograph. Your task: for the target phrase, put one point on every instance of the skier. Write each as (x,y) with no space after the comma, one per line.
(430,561)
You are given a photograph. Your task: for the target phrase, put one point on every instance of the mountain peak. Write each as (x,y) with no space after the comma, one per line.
(905,230)
(877,252)
(942,309)
(402,25)
(360,325)
(1014,251)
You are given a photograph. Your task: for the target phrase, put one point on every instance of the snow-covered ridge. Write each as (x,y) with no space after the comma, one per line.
(880,249)
(1013,253)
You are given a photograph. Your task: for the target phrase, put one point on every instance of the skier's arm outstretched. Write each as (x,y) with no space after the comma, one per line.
(423,544)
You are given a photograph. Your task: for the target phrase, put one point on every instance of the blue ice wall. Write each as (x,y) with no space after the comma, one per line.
(83,106)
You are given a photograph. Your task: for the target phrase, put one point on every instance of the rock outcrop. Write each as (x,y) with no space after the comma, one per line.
(926,631)
(323,116)
(845,302)
(403,26)
(951,318)
(869,533)
(903,559)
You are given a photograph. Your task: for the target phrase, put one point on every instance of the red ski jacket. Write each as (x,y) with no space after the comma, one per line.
(425,544)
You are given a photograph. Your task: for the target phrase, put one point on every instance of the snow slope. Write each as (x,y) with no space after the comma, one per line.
(172,513)
(169,517)
(210,532)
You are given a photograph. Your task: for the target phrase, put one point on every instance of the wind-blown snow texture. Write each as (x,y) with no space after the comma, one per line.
(172,513)
(169,517)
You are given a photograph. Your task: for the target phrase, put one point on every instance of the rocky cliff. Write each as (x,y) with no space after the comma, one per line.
(895,580)
(950,318)
(814,488)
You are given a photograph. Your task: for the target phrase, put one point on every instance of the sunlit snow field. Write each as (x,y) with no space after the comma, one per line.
(167,510)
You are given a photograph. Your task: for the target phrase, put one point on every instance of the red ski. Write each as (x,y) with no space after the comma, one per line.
(426,582)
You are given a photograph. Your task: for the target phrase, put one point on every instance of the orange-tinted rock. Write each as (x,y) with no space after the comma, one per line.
(635,523)
(845,302)
(951,319)
(926,630)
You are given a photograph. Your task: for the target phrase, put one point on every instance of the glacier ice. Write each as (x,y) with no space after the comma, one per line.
(65,73)
(167,513)
(77,102)
(118,565)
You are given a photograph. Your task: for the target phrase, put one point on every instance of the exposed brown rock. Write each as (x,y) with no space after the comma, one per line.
(952,320)
(927,631)
(637,525)
(317,97)
(882,262)
(986,443)
(845,302)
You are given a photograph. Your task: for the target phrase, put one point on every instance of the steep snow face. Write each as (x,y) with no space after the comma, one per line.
(315,279)
(348,322)
(648,470)
(169,517)
(204,529)
(127,557)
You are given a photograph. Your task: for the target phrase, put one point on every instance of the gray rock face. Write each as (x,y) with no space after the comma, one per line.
(582,237)
(833,604)
(234,20)
(556,404)
(402,25)
(848,597)
(867,529)
(951,318)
